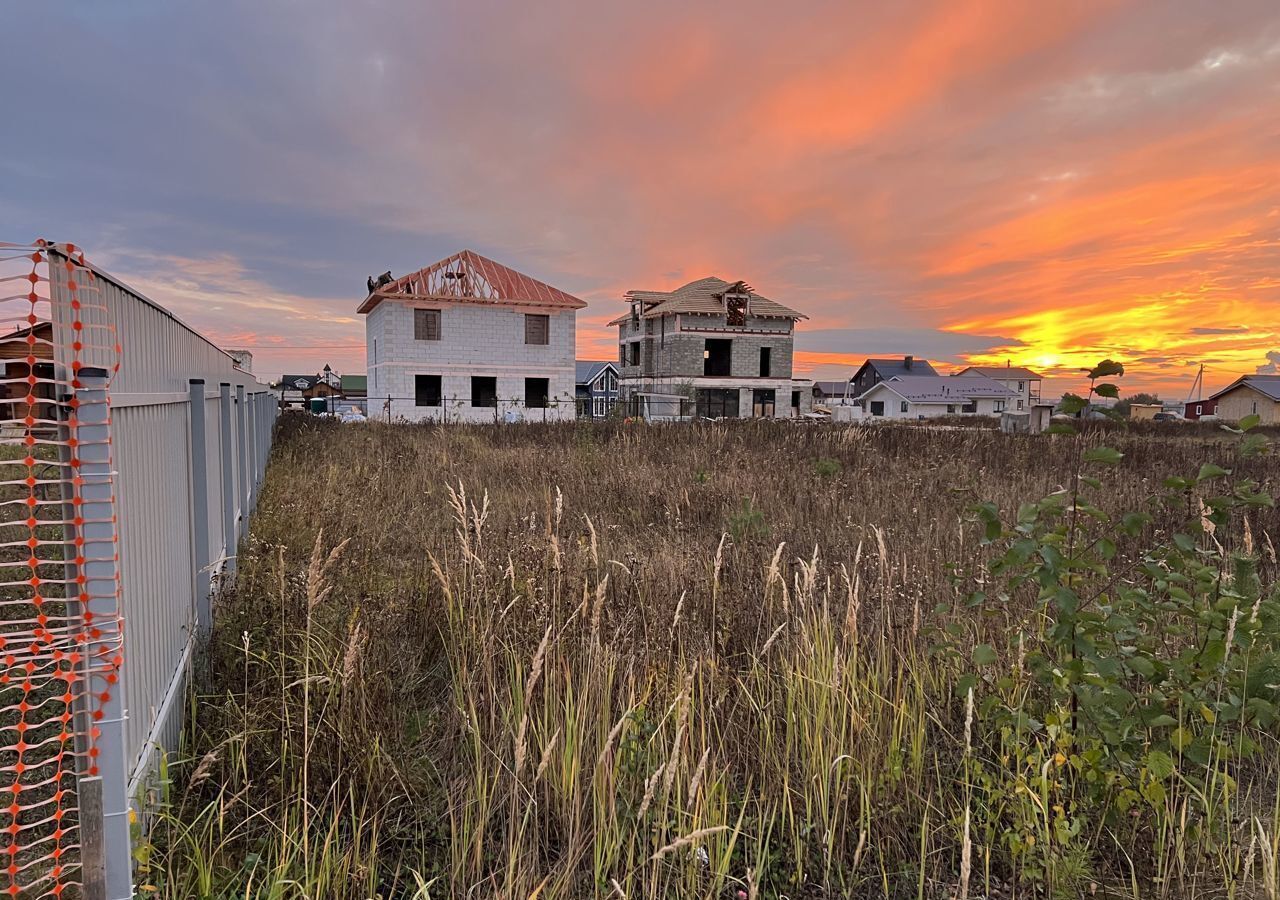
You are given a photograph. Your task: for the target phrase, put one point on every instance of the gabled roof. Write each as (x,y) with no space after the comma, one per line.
(888,368)
(468,277)
(294,382)
(1004,373)
(706,295)
(1267,385)
(833,388)
(940,389)
(588,370)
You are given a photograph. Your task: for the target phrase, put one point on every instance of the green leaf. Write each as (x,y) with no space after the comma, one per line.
(1143,666)
(1134,522)
(1164,720)
(1105,455)
(1071,404)
(1249,422)
(1254,445)
(1107,390)
(1159,764)
(1263,712)
(984,655)
(1106,369)
(1209,470)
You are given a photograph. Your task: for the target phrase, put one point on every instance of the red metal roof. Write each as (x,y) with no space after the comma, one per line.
(468,277)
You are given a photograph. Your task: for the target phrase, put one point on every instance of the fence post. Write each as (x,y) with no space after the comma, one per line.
(101,590)
(242,463)
(251,419)
(200,505)
(228,481)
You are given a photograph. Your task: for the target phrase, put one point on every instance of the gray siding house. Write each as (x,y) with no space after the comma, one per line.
(596,388)
(874,371)
(718,343)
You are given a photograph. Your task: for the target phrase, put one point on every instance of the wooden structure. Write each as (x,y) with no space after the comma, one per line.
(27,357)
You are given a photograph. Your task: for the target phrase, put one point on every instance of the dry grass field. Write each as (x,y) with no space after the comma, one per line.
(758,660)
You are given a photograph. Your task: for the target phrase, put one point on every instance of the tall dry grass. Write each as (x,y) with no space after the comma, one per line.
(638,663)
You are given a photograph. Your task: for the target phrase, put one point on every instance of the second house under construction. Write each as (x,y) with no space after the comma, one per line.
(718,344)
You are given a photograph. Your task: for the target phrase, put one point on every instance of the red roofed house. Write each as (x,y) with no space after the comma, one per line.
(469,340)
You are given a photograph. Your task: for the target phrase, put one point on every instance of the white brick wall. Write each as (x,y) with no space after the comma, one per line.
(475,339)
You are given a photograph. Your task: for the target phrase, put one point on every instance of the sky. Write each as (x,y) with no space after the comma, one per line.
(1045,184)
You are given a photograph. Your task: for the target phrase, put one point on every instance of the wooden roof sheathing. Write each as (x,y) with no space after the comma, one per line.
(468,277)
(706,295)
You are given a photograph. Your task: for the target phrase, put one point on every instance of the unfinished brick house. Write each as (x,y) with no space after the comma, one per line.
(468,339)
(718,343)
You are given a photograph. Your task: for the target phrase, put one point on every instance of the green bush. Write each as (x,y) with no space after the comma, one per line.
(1133,664)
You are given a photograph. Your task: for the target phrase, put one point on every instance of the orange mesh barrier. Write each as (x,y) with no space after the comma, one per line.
(60,627)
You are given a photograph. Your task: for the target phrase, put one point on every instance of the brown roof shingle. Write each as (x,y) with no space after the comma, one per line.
(704,296)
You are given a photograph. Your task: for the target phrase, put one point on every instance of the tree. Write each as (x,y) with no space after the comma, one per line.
(1124,406)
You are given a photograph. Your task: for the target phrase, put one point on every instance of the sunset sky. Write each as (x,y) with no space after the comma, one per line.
(1046,183)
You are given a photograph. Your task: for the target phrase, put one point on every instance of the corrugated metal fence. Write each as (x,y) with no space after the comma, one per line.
(187,435)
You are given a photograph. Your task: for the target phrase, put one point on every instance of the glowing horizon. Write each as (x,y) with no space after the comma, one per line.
(969,181)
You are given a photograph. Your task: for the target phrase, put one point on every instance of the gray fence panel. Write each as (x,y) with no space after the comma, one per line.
(151,396)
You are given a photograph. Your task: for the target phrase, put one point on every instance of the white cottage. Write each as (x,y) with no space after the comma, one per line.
(469,340)
(929,396)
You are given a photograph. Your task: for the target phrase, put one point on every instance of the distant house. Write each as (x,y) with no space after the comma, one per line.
(717,342)
(826,392)
(929,396)
(1194,409)
(874,371)
(23,353)
(595,388)
(298,389)
(1022,381)
(354,387)
(243,359)
(1250,395)
(467,339)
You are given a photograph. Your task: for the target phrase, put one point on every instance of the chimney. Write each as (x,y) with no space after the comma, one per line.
(907,361)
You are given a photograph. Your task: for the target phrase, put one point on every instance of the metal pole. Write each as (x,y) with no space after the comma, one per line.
(200,505)
(93,863)
(102,589)
(242,461)
(228,480)
(252,443)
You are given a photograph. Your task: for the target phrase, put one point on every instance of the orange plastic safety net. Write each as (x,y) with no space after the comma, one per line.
(60,628)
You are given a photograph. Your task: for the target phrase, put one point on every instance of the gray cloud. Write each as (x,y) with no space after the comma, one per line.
(1272,365)
(608,146)
(924,343)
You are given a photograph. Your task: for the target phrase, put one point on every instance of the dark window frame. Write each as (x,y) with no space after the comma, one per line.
(537,329)
(539,401)
(482,398)
(766,362)
(717,357)
(422,395)
(764,403)
(735,310)
(427,324)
